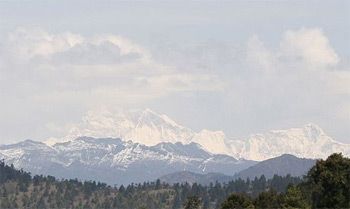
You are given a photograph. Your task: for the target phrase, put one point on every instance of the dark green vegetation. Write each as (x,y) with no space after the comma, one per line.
(293,198)
(326,186)
(19,190)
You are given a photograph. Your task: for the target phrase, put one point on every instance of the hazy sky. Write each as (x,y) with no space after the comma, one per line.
(238,66)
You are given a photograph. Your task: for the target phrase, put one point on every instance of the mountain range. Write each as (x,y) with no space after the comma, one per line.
(115,161)
(137,146)
(150,128)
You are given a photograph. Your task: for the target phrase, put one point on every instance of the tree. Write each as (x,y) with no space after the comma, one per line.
(269,199)
(193,202)
(294,199)
(258,185)
(329,182)
(237,201)
(158,184)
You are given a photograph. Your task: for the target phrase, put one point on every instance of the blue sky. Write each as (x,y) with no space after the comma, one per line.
(238,66)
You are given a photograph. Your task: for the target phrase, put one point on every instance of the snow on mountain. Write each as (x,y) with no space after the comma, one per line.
(309,142)
(136,146)
(214,141)
(113,160)
(150,128)
(143,126)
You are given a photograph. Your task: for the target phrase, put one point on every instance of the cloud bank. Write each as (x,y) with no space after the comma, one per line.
(104,66)
(50,79)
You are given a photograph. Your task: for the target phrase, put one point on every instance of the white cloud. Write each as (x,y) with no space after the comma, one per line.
(310,46)
(92,67)
(303,49)
(27,43)
(105,53)
(51,78)
(297,82)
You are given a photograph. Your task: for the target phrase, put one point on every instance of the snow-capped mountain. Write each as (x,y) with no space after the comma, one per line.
(143,126)
(150,128)
(309,141)
(136,146)
(116,161)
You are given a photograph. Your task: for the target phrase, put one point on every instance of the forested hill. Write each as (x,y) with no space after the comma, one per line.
(18,189)
(327,185)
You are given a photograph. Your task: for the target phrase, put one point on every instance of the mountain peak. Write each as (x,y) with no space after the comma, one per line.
(143,126)
(313,130)
(287,156)
(151,117)
(149,111)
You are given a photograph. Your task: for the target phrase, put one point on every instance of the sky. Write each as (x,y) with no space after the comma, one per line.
(239,66)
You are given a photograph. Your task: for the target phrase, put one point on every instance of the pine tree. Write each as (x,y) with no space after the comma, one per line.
(294,199)
(193,202)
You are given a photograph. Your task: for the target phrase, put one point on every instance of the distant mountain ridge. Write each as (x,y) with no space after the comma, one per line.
(115,161)
(150,128)
(282,166)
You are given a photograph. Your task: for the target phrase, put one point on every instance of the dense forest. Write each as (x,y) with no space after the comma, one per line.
(327,184)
